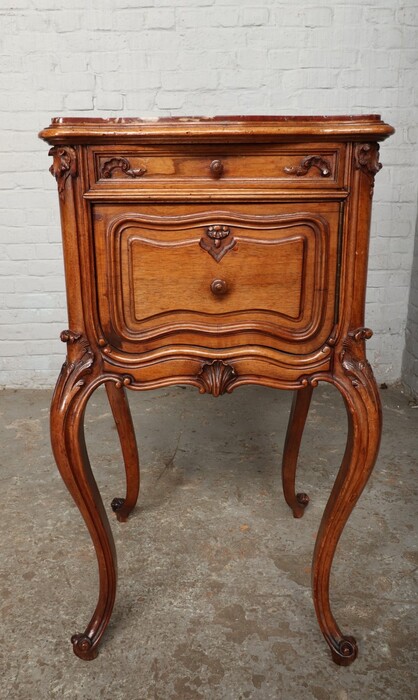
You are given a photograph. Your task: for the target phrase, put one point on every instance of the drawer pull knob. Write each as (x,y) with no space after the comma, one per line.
(307,163)
(219,287)
(217,169)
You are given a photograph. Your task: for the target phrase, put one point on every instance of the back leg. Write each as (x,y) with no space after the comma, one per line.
(121,412)
(297,420)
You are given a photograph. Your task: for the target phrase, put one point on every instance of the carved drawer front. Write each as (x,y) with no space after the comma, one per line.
(216,278)
(297,165)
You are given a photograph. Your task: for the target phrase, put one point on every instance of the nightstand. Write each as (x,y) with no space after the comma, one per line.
(216,253)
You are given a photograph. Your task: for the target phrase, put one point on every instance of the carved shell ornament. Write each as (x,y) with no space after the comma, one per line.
(216,378)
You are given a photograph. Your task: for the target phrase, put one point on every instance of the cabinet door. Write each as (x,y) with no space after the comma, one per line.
(217,278)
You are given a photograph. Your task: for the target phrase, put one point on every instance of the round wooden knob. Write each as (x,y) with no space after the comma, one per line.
(216,168)
(219,287)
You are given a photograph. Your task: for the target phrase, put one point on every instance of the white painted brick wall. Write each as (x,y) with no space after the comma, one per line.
(160,57)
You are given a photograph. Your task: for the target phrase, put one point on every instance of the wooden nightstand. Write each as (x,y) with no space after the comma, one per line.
(216,252)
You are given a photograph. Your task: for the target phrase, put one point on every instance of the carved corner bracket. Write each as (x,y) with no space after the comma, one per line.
(216,378)
(353,358)
(123,164)
(218,244)
(307,163)
(78,363)
(64,165)
(366,159)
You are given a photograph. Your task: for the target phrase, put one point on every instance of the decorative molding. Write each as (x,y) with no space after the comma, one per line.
(216,377)
(218,245)
(78,363)
(332,339)
(125,380)
(353,357)
(309,380)
(103,345)
(307,163)
(120,164)
(63,166)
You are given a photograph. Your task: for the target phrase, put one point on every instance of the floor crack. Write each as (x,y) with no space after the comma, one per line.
(170,462)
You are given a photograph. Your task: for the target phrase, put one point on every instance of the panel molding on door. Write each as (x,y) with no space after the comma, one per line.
(274,284)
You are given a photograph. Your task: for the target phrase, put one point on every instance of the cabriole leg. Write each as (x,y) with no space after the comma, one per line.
(355,381)
(297,420)
(121,412)
(74,387)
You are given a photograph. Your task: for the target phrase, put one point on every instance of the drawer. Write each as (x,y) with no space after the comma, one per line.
(217,278)
(319,166)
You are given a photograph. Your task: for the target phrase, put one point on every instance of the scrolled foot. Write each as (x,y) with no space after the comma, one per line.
(302,500)
(83,647)
(345,651)
(118,507)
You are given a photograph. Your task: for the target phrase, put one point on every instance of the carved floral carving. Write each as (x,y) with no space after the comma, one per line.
(80,358)
(120,164)
(64,165)
(218,233)
(353,358)
(218,244)
(216,377)
(307,163)
(366,159)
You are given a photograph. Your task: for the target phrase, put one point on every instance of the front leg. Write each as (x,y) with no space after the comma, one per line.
(354,379)
(121,413)
(75,385)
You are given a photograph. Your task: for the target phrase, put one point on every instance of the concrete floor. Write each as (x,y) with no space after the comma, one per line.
(214,594)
